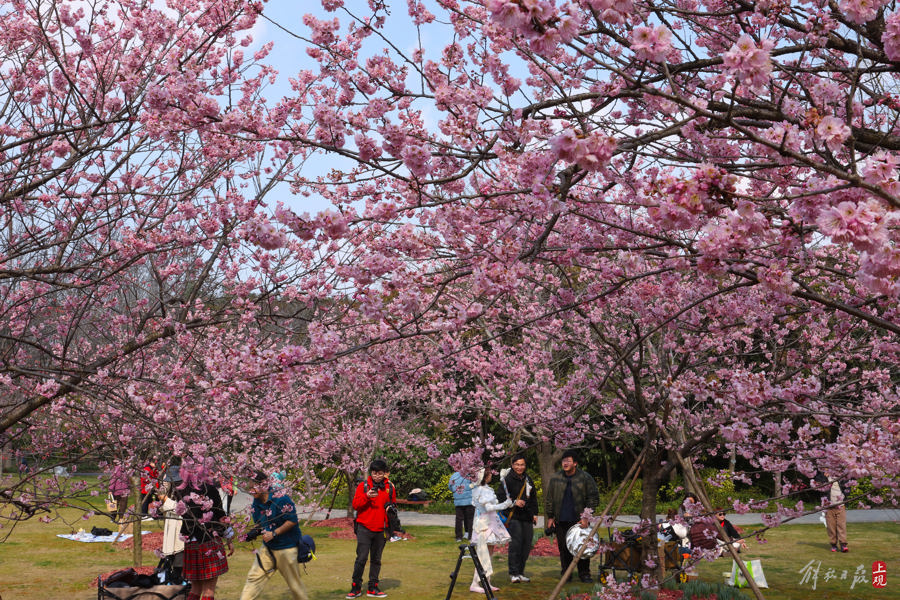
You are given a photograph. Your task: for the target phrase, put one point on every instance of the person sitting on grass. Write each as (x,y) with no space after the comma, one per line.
(734,536)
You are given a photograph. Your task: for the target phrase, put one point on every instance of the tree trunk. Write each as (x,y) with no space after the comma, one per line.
(608,463)
(137,535)
(651,482)
(351,489)
(548,456)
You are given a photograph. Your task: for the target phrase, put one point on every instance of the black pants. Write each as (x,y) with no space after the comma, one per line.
(145,502)
(565,557)
(522,536)
(369,546)
(464,517)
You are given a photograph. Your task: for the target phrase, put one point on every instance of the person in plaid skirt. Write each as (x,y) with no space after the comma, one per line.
(204,551)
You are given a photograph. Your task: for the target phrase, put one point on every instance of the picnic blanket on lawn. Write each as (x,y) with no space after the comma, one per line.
(88,537)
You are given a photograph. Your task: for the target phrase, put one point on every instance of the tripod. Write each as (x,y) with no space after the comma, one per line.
(485,584)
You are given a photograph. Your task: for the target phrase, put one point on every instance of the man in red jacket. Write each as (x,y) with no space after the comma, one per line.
(370,501)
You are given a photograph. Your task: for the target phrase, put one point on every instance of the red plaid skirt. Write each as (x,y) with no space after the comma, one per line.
(204,560)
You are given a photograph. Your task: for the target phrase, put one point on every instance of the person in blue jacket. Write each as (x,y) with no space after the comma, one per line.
(274,514)
(462,500)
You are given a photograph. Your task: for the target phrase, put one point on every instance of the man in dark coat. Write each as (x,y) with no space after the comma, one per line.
(568,493)
(522,516)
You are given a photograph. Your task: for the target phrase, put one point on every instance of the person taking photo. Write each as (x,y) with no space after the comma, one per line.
(370,502)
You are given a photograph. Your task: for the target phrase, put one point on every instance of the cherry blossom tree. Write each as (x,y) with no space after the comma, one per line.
(600,152)
(582,220)
(132,188)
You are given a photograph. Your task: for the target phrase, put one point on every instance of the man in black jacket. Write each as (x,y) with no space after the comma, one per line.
(522,516)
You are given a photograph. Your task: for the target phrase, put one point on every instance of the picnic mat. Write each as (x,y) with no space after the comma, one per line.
(87,537)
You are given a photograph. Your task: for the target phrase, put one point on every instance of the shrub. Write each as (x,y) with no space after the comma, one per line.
(440,490)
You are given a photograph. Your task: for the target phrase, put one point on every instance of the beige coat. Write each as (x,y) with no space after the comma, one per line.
(172,542)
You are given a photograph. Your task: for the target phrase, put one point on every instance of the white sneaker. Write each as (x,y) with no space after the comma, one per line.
(524,579)
(514,578)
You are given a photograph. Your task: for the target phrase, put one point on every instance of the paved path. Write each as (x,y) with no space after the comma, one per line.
(875,515)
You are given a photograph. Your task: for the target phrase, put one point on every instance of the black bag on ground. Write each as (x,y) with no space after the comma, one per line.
(418,495)
(129,578)
(168,572)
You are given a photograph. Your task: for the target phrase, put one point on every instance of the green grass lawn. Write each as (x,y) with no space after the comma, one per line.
(37,565)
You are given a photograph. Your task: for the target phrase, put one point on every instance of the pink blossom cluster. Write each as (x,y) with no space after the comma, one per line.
(367,147)
(751,64)
(651,43)
(880,270)
(265,234)
(331,223)
(777,278)
(417,158)
(591,152)
(833,131)
(539,21)
(785,135)
(467,462)
(734,231)
(861,11)
(891,36)
(612,11)
(679,201)
(330,127)
(881,170)
(863,224)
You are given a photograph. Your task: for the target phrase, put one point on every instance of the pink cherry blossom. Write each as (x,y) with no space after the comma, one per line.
(750,63)
(833,131)
(861,11)
(651,43)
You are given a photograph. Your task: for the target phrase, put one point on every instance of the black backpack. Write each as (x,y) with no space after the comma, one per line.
(306,549)
(393,520)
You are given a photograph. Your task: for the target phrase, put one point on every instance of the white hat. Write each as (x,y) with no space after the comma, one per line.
(479,476)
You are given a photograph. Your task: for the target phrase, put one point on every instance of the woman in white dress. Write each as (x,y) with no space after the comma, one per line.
(487,529)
